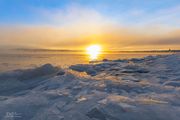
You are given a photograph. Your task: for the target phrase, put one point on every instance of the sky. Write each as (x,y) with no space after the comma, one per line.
(75,24)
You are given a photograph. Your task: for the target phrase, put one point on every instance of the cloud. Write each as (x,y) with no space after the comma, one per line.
(74,27)
(75,16)
(166,17)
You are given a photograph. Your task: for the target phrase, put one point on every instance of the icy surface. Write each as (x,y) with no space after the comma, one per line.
(134,89)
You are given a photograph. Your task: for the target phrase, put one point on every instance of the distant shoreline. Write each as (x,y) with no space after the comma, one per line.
(114,51)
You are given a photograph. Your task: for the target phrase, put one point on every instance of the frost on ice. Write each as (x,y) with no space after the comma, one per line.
(133,89)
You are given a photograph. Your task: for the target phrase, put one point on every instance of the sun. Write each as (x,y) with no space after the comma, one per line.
(93,51)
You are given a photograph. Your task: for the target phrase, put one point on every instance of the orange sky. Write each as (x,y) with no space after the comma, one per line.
(110,37)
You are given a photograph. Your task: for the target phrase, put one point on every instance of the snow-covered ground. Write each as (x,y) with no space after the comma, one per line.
(134,89)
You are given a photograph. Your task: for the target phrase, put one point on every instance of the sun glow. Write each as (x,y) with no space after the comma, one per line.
(93,51)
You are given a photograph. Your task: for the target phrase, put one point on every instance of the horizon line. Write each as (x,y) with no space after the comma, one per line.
(70,50)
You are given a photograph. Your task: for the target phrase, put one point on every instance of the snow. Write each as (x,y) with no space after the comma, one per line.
(130,89)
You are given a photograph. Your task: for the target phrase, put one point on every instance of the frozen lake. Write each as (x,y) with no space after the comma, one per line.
(134,89)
